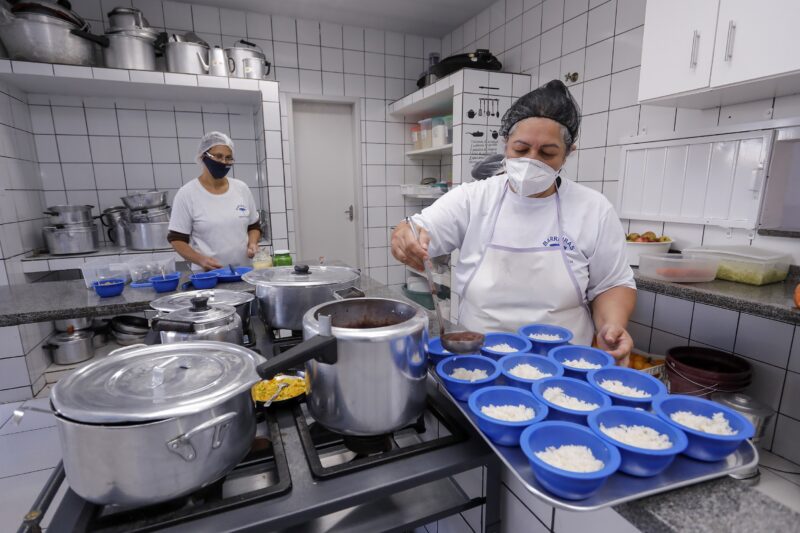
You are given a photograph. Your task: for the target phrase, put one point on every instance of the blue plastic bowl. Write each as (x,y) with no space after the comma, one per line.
(521,344)
(204,280)
(639,462)
(499,431)
(226,276)
(704,446)
(436,352)
(572,387)
(547,366)
(106,288)
(166,283)
(542,347)
(461,389)
(593,355)
(630,378)
(563,483)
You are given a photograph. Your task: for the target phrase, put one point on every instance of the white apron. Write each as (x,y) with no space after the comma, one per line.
(512,287)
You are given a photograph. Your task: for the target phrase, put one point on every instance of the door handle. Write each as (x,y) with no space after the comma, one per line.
(349,213)
(695,43)
(729,42)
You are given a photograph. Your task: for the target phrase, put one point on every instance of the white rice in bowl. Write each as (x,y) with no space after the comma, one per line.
(617,387)
(469,375)
(545,337)
(638,436)
(503,347)
(526,371)
(580,363)
(716,425)
(509,413)
(557,396)
(571,457)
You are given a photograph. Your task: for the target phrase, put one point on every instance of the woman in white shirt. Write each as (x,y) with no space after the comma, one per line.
(534,247)
(214,219)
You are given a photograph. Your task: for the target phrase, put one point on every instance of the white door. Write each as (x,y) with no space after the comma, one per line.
(324,176)
(755,40)
(677,47)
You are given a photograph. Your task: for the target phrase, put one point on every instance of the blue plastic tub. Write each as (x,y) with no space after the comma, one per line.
(563,483)
(639,462)
(521,344)
(461,389)
(547,366)
(630,378)
(166,283)
(593,355)
(572,387)
(106,288)
(499,431)
(705,446)
(226,276)
(542,347)
(204,280)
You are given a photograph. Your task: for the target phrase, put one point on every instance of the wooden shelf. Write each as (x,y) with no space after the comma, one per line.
(431,153)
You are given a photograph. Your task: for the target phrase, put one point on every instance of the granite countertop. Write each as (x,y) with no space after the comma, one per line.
(774,301)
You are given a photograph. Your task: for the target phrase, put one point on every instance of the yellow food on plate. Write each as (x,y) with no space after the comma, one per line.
(264,390)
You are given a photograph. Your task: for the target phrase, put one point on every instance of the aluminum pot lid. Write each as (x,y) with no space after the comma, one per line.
(201,312)
(141,33)
(147,383)
(182,300)
(68,338)
(50,9)
(742,403)
(301,276)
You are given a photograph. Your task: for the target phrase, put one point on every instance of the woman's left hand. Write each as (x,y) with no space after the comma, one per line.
(616,341)
(251,250)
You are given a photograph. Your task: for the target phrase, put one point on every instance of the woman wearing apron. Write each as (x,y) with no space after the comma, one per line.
(533,246)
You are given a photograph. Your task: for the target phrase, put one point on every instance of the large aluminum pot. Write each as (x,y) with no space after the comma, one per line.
(63,240)
(146,235)
(200,322)
(70,348)
(238,55)
(72,324)
(130,49)
(241,301)
(186,57)
(69,214)
(286,293)
(365,363)
(126,18)
(159,214)
(145,200)
(151,423)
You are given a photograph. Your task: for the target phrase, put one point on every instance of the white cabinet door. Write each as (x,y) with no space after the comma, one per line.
(755,39)
(678,46)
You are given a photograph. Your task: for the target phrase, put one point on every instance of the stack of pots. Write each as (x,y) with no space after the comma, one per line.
(148,220)
(73,341)
(188,54)
(70,230)
(112,218)
(132,43)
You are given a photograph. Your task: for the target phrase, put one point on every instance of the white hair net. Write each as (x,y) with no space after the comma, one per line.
(209,140)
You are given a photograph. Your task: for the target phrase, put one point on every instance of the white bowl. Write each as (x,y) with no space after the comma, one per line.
(635,249)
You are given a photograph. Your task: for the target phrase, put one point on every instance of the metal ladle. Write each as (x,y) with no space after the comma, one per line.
(456,341)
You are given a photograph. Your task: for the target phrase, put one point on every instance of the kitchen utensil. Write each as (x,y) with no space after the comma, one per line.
(165,419)
(546,367)
(271,399)
(575,388)
(147,235)
(133,49)
(130,325)
(70,325)
(226,276)
(204,280)
(166,282)
(200,322)
(745,264)
(108,288)
(678,268)
(701,371)
(73,239)
(461,389)
(145,200)
(504,432)
(365,364)
(286,293)
(185,56)
(155,214)
(757,413)
(69,348)
(232,270)
(479,59)
(249,61)
(112,215)
(255,68)
(218,64)
(559,337)
(595,356)
(480,107)
(242,301)
(634,250)
(128,339)
(69,215)
(630,378)
(287,377)
(519,343)
(126,18)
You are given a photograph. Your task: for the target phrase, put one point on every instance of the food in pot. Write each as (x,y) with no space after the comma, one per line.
(503,347)
(647,236)
(509,413)
(716,425)
(638,436)
(545,337)
(557,396)
(617,387)
(571,457)
(580,363)
(469,375)
(526,371)
(264,390)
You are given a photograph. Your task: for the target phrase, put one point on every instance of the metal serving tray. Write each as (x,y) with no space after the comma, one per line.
(618,488)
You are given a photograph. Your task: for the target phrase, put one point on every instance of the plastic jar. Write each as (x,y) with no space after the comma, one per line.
(426,139)
(438,132)
(416,139)
(282,258)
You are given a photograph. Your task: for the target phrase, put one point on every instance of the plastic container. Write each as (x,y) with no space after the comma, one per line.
(262,260)
(500,431)
(545,366)
(426,134)
(571,387)
(107,288)
(630,378)
(745,264)
(282,258)
(563,483)
(97,270)
(416,138)
(166,283)
(226,276)
(448,122)
(705,446)
(461,389)
(587,353)
(700,371)
(636,461)
(204,280)
(680,268)
(541,347)
(142,270)
(636,249)
(438,132)
(518,342)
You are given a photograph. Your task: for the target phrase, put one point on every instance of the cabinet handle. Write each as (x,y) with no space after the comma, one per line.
(729,42)
(695,48)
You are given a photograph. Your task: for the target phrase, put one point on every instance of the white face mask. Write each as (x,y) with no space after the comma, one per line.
(529,176)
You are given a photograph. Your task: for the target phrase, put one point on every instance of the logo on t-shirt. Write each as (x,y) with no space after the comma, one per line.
(242,210)
(553,241)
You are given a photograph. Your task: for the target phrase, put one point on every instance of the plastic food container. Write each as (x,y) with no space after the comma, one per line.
(204,280)
(166,283)
(426,133)
(438,132)
(636,249)
(571,387)
(518,342)
(587,353)
(460,388)
(107,288)
(745,264)
(543,364)
(97,270)
(505,433)
(542,346)
(141,271)
(416,138)
(630,378)
(680,268)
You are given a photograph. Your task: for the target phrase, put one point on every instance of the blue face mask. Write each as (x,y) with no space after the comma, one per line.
(215,168)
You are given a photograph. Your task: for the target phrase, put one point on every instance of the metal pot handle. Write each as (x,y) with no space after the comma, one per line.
(231,65)
(319,347)
(182,444)
(97,39)
(267,65)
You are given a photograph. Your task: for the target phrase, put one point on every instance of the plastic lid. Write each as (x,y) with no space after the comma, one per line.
(282,252)
(146,383)
(742,403)
(182,300)
(298,276)
(746,252)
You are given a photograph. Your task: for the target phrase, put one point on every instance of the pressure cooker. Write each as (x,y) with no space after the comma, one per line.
(201,321)
(242,301)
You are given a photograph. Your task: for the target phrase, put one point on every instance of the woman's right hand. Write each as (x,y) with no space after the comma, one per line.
(209,263)
(406,249)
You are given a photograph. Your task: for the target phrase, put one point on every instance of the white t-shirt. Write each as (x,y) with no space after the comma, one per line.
(593,237)
(216,223)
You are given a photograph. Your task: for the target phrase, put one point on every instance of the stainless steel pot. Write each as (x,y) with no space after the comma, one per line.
(111,216)
(145,200)
(71,348)
(255,68)
(365,363)
(238,54)
(152,423)
(72,324)
(69,214)
(200,322)
(286,293)
(126,18)
(241,301)
(146,235)
(186,57)
(63,240)
(158,214)
(130,49)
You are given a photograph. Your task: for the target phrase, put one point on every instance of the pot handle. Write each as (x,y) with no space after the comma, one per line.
(182,444)
(319,347)
(97,39)
(231,65)
(267,65)
(160,324)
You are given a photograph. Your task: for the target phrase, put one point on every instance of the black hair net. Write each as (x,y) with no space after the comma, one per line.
(552,100)
(488,166)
